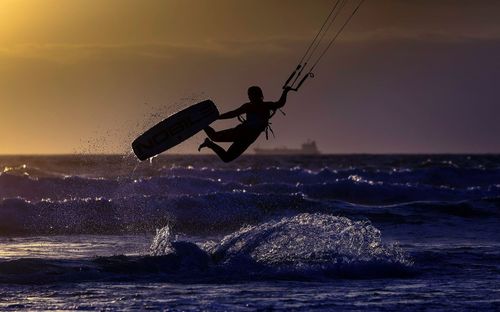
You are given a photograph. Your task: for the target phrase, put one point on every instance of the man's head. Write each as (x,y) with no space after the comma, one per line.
(255,94)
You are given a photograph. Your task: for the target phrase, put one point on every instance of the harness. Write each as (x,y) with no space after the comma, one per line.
(268,127)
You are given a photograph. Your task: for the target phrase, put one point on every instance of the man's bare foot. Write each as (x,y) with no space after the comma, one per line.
(204,144)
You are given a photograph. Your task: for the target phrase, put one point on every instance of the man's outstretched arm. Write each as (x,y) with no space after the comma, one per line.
(282,101)
(234,113)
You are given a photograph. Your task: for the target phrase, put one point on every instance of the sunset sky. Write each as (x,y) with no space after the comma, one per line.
(87,76)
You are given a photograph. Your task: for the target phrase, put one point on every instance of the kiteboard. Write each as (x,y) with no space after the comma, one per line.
(175,129)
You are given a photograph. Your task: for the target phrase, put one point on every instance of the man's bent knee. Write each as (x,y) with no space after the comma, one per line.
(209,131)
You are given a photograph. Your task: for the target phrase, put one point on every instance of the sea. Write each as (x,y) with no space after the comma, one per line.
(263,233)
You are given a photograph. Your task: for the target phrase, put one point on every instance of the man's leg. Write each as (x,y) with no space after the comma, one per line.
(228,135)
(234,151)
(216,148)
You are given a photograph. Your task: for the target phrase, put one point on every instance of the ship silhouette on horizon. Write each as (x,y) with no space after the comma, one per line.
(307,148)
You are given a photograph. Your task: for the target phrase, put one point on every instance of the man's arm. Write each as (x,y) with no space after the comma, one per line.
(282,101)
(234,113)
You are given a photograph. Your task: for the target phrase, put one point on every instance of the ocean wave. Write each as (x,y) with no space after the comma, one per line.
(452,177)
(326,184)
(209,213)
(306,246)
(212,213)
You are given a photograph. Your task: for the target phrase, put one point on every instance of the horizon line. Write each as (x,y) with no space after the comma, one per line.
(253,154)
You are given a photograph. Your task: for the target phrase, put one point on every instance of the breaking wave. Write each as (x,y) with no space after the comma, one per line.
(305,246)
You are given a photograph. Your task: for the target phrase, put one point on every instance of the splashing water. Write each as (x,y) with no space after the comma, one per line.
(162,243)
(305,243)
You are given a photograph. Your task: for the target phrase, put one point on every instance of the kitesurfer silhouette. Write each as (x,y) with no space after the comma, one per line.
(257,118)
(259,112)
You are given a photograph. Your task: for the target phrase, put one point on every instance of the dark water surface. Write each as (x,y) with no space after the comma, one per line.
(346,232)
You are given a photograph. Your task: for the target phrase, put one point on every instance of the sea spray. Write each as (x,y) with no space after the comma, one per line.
(305,244)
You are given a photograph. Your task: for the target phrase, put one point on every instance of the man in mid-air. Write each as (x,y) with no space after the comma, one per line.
(257,118)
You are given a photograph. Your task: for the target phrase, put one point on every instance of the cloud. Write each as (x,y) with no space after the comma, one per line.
(434,35)
(74,53)
(65,53)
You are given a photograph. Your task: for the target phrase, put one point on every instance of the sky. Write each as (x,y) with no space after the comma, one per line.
(88,76)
